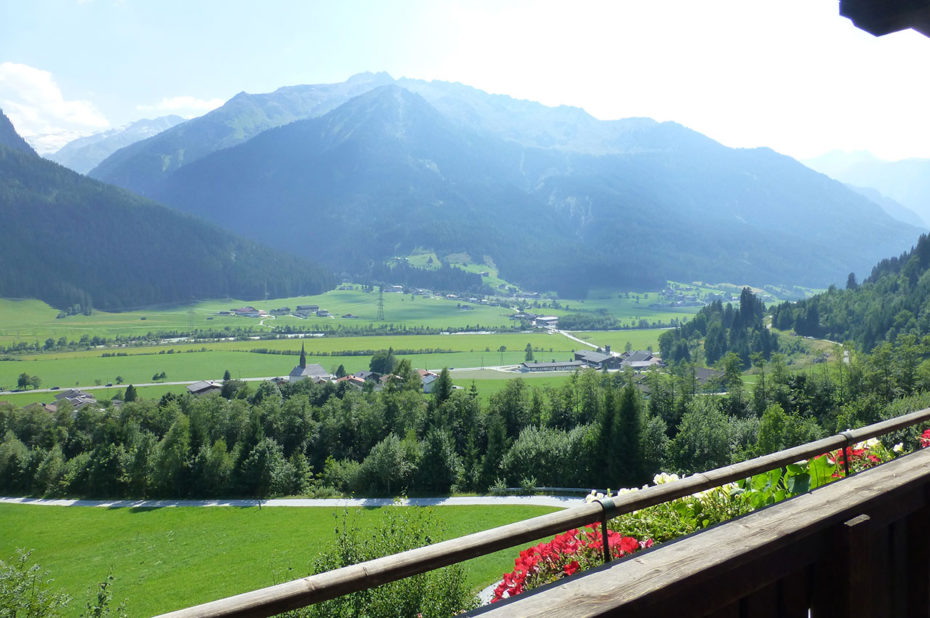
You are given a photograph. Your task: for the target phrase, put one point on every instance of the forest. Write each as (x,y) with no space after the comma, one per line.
(893,300)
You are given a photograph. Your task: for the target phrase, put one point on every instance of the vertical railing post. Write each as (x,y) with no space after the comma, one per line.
(605,504)
(848,435)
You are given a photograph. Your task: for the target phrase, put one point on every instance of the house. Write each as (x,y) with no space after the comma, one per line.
(304,311)
(639,360)
(77,398)
(598,360)
(323,313)
(552,366)
(204,387)
(353,381)
(249,312)
(349,316)
(428,379)
(368,376)
(546,321)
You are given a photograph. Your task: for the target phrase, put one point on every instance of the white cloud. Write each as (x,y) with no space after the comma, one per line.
(186,106)
(39,111)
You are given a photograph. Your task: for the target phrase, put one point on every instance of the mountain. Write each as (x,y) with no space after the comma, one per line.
(894,300)
(140,166)
(85,153)
(11,139)
(896,210)
(631,205)
(70,240)
(906,181)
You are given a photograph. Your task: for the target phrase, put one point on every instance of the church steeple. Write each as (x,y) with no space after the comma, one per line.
(303,357)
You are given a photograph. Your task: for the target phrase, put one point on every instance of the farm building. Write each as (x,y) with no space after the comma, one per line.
(204,386)
(552,366)
(598,360)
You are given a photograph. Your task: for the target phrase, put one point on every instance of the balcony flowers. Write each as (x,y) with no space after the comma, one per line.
(563,556)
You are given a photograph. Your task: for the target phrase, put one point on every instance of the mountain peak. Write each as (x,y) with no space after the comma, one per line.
(10,138)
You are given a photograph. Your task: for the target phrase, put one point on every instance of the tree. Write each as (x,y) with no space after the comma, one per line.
(226,375)
(851,283)
(23,380)
(529,352)
(130,394)
(628,436)
(442,389)
(35,381)
(340,371)
(383,362)
(119,379)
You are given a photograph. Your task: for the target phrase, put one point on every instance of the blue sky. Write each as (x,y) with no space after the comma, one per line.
(791,75)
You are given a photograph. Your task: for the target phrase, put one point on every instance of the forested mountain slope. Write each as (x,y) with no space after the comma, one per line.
(11,139)
(72,241)
(893,300)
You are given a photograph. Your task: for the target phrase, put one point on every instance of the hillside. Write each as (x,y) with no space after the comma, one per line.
(85,153)
(72,241)
(11,139)
(906,181)
(388,172)
(894,300)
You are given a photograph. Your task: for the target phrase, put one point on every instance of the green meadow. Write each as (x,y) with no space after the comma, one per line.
(28,320)
(168,558)
(184,362)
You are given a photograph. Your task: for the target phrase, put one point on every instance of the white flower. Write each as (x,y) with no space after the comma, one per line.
(626,490)
(870,443)
(662,477)
(898,448)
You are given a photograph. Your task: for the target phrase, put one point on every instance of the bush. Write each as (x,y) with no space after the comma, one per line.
(26,590)
(436,593)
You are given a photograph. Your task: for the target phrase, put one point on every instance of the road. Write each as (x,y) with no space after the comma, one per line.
(574,338)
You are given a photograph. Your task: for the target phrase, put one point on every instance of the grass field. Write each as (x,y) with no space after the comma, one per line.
(168,558)
(188,362)
(31,320)
(639,339)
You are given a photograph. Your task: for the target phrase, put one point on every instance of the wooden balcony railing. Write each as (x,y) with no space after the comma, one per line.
(825,535)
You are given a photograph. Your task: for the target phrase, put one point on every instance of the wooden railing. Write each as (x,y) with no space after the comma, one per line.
(857,547)
(329,585)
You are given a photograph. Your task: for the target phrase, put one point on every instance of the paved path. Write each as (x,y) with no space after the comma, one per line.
(574,338)
(554,501)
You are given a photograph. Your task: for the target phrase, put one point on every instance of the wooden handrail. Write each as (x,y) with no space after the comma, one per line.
(324,586)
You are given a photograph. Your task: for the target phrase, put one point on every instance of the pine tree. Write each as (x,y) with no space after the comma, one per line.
(130,394)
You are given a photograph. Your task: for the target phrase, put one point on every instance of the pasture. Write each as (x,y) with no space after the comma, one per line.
(168,558)
(206,361)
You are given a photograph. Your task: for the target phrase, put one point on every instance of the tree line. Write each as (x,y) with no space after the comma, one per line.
(596,430)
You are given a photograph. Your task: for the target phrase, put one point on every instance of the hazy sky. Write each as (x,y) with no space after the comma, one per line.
(792,74)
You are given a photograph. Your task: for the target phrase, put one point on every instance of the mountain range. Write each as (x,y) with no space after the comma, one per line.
(906,181)
(85,153)
(352,174)
(79,243)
